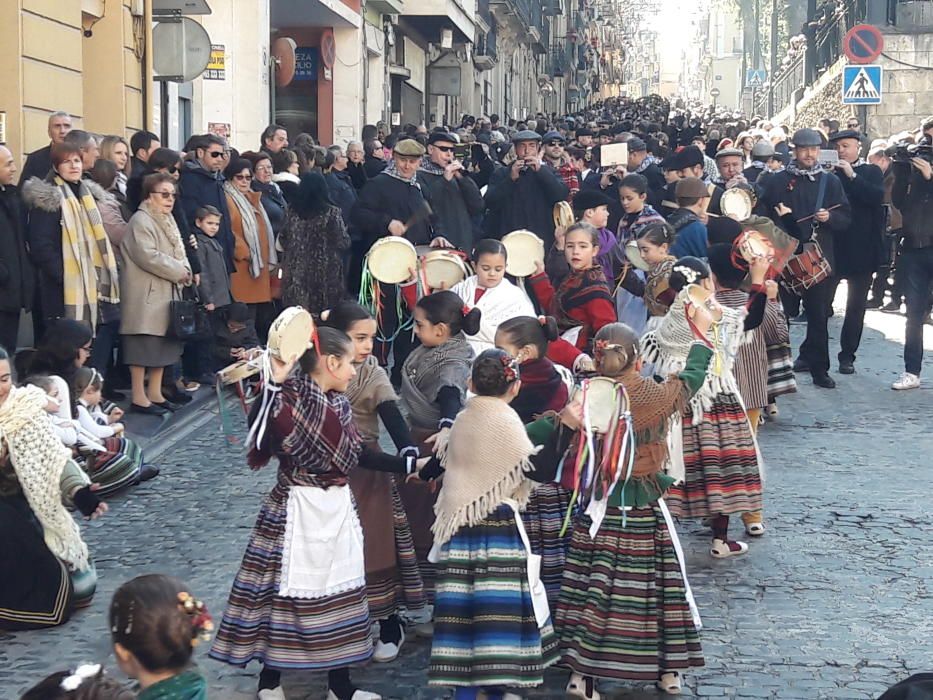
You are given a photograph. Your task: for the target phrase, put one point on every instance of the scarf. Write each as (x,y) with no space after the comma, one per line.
(758,164)
(579,289)
(427,370)
(38,459)
(392,171)
(368,389)
(188,685)
(90,268)
(810,174)
(429,166)
(169,228)
(649,159)
(485,458)
(251,231)
(542,390)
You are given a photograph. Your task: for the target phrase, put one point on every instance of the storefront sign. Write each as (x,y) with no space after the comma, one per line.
(306,60)
(217,63)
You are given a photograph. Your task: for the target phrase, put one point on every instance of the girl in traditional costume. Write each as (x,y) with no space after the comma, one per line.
(492,627)
(625,609)
(393,580)
(299,598)
(489,291)
(582,303)
(544,390)
(719,474)
(155,623)
(654,242)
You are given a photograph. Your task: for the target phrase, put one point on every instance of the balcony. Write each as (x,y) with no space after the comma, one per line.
(429,17)
(514,12)
(485,55)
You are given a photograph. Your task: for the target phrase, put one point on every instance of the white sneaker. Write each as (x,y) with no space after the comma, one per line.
(670,683)
(357,695)
(721,549)
(387,651)
(580,686)
(907,381)
(271,694)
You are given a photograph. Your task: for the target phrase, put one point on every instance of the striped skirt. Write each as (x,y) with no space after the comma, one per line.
(401,586)
(485,633)
(623,611)
(722,474)
(117,467)
(781,379)
(287,633)
(544,518)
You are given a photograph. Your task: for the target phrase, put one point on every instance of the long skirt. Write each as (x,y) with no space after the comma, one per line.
(35,589)
(781,379)
(485,633)
(623,610)
(418,501)
(115,468)
(544,518)
(722,473)
(393,579)
(287,633)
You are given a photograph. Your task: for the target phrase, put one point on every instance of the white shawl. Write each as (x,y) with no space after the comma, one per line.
(499,304)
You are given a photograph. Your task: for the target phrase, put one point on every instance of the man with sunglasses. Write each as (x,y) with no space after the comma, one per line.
(555,156)
(452,193)
(202,185)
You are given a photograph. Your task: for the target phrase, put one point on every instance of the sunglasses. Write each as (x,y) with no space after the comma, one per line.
(171,170)
(241,177)
(215,154)
(165,195)
(445,149)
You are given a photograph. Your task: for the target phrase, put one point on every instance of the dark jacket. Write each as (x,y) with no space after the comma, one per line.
(860,249)
(215,280)
(198,188)
(38,164)
(385,198)
(526,203)
(225,340)
(342,192)
(655,178)
(17,283)
(800,194)
(455,203)
(357,172)
(139,168)
(372,166)
(273,201)
(913,196)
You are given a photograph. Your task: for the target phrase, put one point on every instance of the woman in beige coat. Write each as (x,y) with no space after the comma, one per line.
(155,267)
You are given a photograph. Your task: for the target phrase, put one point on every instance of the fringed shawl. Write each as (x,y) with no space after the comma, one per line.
(579,289)
(486,457)
(369,388)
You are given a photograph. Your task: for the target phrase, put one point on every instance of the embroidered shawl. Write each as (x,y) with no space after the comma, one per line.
(578,289)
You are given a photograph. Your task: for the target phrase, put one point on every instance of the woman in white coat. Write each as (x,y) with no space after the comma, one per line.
(498,299)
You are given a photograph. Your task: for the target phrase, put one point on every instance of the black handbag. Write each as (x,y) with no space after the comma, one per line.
(188,319)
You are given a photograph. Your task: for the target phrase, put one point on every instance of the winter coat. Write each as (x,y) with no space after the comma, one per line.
(313,267)
(913,196)
(242,285)
(455,203)
(527,203)
(215,280)
(342,192)
(386,198)
(199,188)
(44,227)
(860,249)
(38,164)
(273,201)
(153,263)
(691,240)
(372,166)
(357,173)
(17,283)
(288,184)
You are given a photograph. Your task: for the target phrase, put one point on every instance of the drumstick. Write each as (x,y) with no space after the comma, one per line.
(423,212)
(835,206)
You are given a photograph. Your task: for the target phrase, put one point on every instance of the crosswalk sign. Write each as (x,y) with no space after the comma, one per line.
(861,85)
(755,77)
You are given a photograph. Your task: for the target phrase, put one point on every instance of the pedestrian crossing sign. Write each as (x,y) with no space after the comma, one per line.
(755,78)
(861,85)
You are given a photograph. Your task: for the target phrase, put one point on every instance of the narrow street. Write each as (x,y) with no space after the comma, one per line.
(833,602)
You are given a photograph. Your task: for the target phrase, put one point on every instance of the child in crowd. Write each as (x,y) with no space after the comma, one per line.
(392,576)
(488,290)
(114,461)
(654,243)
(86,682)
(155,623)
(589,207)
(234,334)
(625,608)
(582,303)
(692,236)
(66,429)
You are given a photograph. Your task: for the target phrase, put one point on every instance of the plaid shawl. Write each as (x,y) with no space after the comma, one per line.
(90,268)
(579,289)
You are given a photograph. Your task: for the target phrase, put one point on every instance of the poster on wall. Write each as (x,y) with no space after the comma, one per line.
(221,129)
(306,60)
(217,63)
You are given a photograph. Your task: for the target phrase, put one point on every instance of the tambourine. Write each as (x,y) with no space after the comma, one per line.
(738,203)
(524,250)
(391,259)
(290,334)
(562,214)
(237,372)
(443,268)
(634,256)
(753,244)
(601,402)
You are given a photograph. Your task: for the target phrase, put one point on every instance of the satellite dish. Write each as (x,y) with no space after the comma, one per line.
(181,50)
(283,53)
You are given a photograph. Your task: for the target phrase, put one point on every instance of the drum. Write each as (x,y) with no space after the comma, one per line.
(290,334)
(737,203)
(443,268)
(634,256)
(602,402)
(391,259)
(237,372)
(562,214)
(524,250)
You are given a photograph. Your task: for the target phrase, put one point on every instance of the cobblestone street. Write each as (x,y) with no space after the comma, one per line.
(833,602)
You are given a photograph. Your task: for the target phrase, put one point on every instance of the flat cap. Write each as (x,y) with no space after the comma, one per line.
(526,135)
(553,135)
(845,134)
(585,131)
(807,137)
(729,152)
(691,187)
(636,144)
(590,199)
(762,149)
(409,147)
(438,136)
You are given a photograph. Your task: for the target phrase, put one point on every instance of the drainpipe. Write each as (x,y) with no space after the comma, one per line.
(148,71)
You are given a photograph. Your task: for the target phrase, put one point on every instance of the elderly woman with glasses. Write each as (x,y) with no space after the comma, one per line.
(254,253)
(156,268)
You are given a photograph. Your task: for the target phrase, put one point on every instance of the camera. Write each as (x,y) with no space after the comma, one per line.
(903,151)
